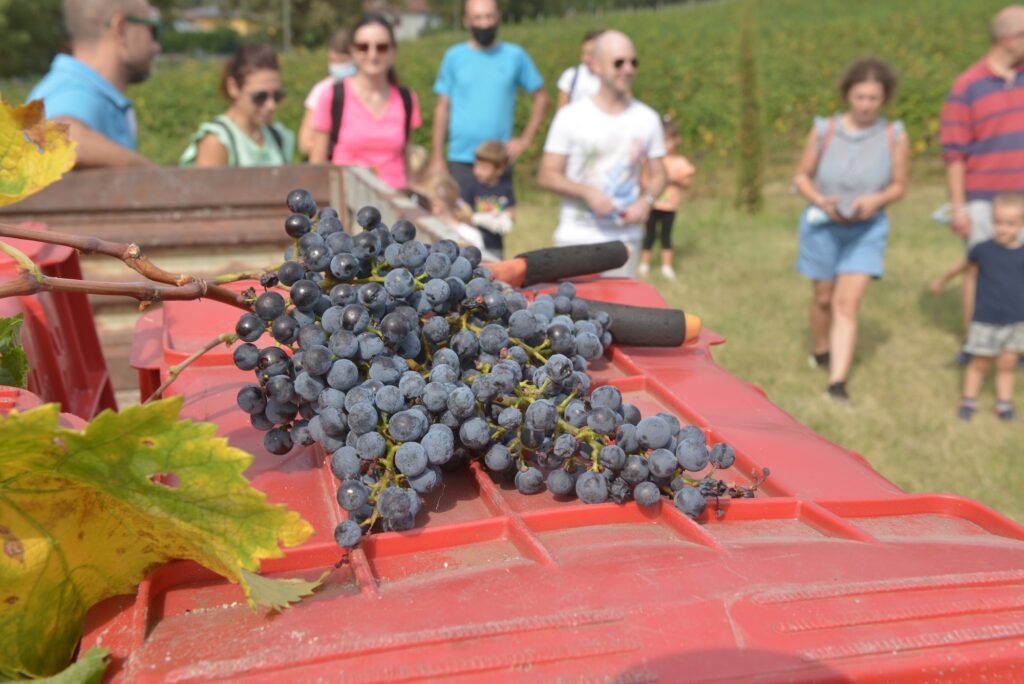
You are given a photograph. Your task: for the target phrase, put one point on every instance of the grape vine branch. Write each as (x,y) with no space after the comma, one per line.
(170,286)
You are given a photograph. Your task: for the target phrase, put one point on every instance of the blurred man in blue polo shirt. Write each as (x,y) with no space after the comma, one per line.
(113,43)
(476,94)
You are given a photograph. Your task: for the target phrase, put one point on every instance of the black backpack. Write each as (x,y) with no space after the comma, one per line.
(338,106)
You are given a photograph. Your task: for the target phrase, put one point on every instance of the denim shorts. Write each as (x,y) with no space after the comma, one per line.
(830,249)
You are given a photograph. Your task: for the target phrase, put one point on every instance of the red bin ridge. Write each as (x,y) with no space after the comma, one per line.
(66,363)
(831,574)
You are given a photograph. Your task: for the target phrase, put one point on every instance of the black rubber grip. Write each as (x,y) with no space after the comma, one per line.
(642,326)
(555,263)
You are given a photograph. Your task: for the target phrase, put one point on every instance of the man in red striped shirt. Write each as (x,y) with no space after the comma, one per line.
(982,134)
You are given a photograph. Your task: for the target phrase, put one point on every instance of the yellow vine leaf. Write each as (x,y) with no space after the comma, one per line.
(34,152)
(84,515)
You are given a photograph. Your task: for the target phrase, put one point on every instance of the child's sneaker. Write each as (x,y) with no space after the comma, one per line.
(643,270)
(668,272)
(1004,410)
(966,410)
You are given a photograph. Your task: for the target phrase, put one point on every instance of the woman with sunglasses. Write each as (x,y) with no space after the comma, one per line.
(376,115)
(246,134)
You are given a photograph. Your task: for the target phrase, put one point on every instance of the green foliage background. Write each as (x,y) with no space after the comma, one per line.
(688,68)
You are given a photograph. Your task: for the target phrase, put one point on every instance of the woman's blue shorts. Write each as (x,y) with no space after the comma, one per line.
(830,249)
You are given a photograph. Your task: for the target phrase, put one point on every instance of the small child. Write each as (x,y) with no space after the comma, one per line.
(997,329)
(442,194)
(679,172)
(490,196)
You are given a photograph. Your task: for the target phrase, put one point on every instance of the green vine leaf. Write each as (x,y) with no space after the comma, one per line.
(278,594)
(13,364)
(84,515)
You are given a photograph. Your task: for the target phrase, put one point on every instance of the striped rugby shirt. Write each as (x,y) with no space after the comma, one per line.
(983,126)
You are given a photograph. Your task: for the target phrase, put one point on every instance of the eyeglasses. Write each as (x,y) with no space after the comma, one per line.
(382,48)
(621,62)
(260,97)
(152,22)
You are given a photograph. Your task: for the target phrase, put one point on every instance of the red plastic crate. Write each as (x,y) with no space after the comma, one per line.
(66,363)
(831,574)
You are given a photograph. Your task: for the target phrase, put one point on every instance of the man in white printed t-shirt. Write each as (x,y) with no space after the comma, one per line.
(595,153)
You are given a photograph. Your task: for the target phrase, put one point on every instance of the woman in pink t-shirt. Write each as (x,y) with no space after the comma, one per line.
(372,130)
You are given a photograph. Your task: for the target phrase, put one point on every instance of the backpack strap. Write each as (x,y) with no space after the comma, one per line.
(830,128)
(232,146)
(407,105)
(337,107)
(278,141)
(575,76)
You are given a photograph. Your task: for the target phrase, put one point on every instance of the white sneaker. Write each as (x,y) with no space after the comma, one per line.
(667,271)
(644,268)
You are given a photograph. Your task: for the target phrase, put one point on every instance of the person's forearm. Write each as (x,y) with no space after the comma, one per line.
(805,186)
(305,141)
(892,193)
(540,107)
(94,149)
(318,144)
(955,182)
(560,185)
(439,131)
(656,180)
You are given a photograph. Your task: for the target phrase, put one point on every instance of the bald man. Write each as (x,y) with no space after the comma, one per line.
(476,91)
(596,152)
(113,43)
(982,134)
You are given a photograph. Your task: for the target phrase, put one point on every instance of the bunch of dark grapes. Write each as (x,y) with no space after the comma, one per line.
(404,360)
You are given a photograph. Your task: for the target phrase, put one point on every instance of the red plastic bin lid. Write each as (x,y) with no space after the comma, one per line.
(831,574)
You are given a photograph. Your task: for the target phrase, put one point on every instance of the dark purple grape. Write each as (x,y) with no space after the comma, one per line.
(368,216)
(269,306)
(290,272)
(305,293)
(301,202)
(297,225)
(249,327)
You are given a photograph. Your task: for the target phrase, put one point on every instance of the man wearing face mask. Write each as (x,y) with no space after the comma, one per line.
(476,94)
(113,43)
(339,67)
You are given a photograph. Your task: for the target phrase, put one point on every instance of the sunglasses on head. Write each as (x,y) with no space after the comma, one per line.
(621,62)
(260,97)
(382,48)
(151,22)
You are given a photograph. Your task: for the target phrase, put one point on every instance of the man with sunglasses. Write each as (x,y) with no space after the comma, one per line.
(113,43)
(476,90)
(596,153)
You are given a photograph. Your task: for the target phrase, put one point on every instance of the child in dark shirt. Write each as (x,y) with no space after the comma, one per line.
(997,329)
(491,198)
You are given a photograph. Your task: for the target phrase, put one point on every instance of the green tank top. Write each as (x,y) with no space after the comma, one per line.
(277,149)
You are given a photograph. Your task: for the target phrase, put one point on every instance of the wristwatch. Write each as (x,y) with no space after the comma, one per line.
(651,199)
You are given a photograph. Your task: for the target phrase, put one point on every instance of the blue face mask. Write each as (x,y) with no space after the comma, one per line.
(342,71)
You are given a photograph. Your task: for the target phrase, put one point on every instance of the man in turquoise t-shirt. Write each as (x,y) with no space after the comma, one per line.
(476,94)
(113,43)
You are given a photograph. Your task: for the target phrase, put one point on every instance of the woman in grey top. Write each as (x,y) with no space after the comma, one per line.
(853,166)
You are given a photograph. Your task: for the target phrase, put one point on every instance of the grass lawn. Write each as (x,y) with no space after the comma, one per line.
(736,272)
